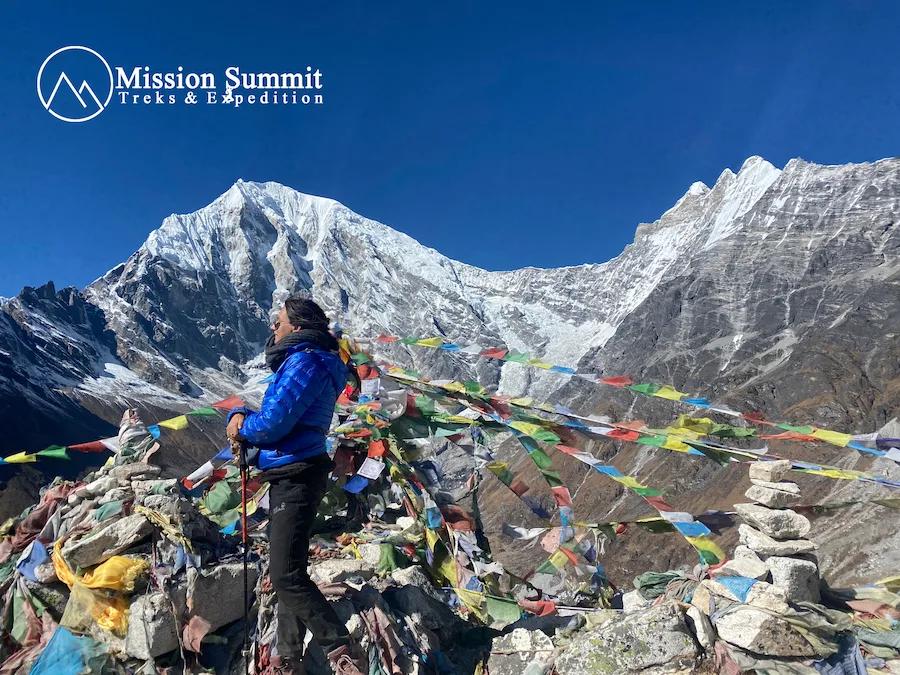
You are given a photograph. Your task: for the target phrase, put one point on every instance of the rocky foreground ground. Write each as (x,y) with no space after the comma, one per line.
(126,571)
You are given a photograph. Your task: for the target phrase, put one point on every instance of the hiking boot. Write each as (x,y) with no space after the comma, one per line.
(343,663)
(285,665)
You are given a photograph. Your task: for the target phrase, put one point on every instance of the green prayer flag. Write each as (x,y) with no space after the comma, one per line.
(541,458)
(502,612)
(517,357)
(655,441)
(57,451)
(359,359)
(805,430)
(206,411)
(649,388)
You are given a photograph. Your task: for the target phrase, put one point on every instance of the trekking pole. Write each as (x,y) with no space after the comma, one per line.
(242,450)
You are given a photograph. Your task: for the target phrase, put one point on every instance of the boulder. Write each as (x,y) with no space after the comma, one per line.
(371,554)
(761,632)
(770,471)
(152,630)
(742,553)
(106,541)
(340,569)
(781,486)
(763,544)
(632,601)
(521,651)
(797,577)
(744,567)
(655,638)
(128,472)
(415,576)
(114,495)
(218,593)
(776,499)
(778,524)
(702,628)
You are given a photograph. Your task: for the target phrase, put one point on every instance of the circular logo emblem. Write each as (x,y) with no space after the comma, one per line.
(75,84)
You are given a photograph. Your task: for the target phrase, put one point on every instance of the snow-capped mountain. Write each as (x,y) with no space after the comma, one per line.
(774,289)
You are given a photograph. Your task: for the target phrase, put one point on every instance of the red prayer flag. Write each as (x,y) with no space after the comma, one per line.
(376,448)
(624,434)
(493,353)
(386,339)
(617,380)
(91,446)
(229,403)
(568,449)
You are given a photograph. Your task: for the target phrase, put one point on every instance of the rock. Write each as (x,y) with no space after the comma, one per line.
(145,488)
(371,554)
(218,593)
(423,610)
(782,486)
(710,596)
(778,524)
(762,633)
(633,601)
(776,499)
(766,596)
(513,653)
(128,472)
(116,494)
(744,553)
(799,578)
(702,628)
(415,576)
(744,567)
(770,471)
(652,638)
(99,487)
(151,627)
(763,544)
(340,569)
(107,541)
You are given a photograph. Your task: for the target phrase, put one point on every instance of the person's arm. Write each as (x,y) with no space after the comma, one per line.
(299,385)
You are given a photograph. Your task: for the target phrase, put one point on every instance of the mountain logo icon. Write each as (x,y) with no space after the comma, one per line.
(57,88)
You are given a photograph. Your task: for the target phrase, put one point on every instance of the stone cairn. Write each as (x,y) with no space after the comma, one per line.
(773,544)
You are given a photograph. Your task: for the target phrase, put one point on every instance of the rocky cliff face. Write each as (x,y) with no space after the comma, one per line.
(773,290)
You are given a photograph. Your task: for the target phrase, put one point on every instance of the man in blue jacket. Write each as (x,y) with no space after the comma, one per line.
(290,430)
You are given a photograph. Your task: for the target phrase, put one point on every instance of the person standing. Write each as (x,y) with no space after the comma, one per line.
(289,430)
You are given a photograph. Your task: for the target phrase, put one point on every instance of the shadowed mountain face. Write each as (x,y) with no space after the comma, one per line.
(773,290)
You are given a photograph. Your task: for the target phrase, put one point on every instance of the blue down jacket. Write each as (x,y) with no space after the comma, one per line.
(297,407)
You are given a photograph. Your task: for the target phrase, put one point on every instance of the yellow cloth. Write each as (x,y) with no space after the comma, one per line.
(832,437)
(527,428)
(430,342)
(474,601)
(117,574)
(676,445)
(668,392)
(20,458)
(559,559)
(176,423)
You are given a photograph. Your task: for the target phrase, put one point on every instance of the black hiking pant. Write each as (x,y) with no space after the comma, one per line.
(293,502)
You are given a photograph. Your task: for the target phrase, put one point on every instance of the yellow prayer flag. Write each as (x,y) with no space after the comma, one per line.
(430,342)
(431,538)
(537,363)
(527,428)
(627,481)
(524,401)
(707,545)
(20,458)
(676,445)
(176,423)
(474,601)
(833,437)
(668,392)
(559,559)
(455,386)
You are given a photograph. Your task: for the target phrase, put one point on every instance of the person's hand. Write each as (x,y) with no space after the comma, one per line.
(234,427)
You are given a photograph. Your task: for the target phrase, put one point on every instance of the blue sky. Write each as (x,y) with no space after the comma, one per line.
(502,135)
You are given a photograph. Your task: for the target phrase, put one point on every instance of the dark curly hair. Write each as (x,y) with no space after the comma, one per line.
(305,313)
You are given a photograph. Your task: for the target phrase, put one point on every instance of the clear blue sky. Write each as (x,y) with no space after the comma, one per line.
(510,135)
